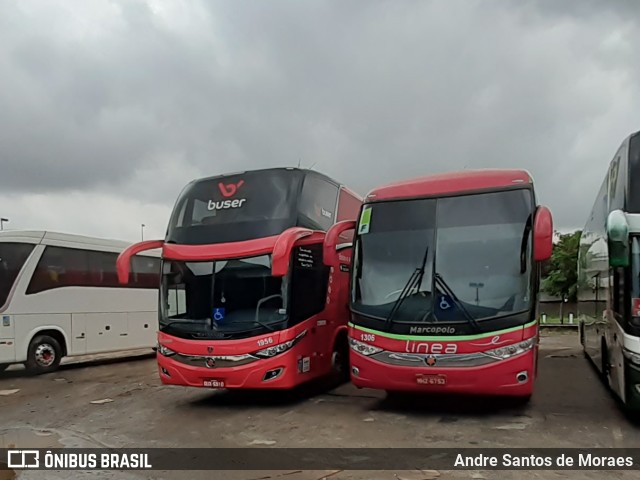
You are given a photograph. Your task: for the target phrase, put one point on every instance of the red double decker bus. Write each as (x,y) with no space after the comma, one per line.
(245,298)
(445,282)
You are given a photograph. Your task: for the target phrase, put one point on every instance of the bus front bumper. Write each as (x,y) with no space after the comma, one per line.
(280,372)
(502,378)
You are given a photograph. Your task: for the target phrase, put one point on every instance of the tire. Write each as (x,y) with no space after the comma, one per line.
(340,361)
(44,355)
(3,367)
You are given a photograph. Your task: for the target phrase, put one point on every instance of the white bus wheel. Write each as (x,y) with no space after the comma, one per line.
(44,354)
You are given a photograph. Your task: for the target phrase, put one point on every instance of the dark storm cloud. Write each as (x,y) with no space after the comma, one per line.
(135,99)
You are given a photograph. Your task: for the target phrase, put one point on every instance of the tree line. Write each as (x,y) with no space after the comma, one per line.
(560,272)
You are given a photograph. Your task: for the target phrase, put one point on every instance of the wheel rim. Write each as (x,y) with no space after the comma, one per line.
(45,355)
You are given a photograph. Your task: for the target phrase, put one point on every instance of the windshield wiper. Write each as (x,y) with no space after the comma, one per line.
(415,280)
(448,291)
(260,302)
(180,322)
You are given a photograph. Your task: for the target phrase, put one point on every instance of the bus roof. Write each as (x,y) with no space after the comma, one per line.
(43,237)
(447,183)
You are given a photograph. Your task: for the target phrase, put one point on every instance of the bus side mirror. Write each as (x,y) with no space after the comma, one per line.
(282,249)
(618,239)
(123,263)
(542,235)
(329,254)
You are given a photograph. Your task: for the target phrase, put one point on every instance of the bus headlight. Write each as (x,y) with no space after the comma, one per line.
(633,357)
(280,348)
(511,350)
(167,352)
(363,348)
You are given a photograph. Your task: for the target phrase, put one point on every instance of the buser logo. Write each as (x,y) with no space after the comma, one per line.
(229,190)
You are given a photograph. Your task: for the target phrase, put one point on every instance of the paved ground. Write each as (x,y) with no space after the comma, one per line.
(570,409)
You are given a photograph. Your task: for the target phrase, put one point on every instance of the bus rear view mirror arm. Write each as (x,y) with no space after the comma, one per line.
(282,249)
(329,255)
(542,235)
(123,263)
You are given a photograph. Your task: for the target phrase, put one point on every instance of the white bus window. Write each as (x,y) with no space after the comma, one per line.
(60,267)
(146,272)
(176,301)
(12,257)
(102,269)
(68,267)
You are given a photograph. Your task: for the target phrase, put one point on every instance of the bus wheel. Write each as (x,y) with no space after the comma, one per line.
(3,366)
(44,354)
(340,360)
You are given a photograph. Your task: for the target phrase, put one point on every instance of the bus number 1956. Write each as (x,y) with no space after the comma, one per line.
(265,341)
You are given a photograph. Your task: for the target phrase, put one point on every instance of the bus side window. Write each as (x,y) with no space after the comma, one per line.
(317,203)
(600,296)
(621,296)
(308,283)
(60,267)
(146,272)
(102,269)
(12,259)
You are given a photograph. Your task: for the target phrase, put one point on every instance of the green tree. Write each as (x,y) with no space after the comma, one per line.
(561,278)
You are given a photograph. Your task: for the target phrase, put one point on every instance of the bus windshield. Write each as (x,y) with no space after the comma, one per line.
(453,259)
(234,208)
(12,257)
(635,279)
(222,299)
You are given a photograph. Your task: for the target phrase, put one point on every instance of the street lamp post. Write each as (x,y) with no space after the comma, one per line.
(2,220)
(477,286)
(142,225)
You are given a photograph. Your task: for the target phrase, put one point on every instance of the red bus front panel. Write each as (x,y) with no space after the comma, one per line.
(498,363)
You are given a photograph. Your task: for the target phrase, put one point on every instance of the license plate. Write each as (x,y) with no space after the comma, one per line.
(213,383)
(431,379)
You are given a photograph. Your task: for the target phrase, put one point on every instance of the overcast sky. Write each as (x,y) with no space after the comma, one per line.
(108,108)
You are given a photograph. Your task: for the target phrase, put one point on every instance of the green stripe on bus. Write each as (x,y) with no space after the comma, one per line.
(432,338)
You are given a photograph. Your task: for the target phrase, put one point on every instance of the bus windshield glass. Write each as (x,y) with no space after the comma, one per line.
(635,280)
(222,299)
(234,208)
(453,259)
(12,258)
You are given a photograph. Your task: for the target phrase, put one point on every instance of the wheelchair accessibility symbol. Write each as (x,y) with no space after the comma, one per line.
(218,313)
(444,303)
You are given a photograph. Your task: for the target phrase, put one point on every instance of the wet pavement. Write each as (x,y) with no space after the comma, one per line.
(570,408)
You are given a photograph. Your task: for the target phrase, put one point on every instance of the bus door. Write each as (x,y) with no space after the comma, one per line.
(7,338)
(620,311)
(309,283)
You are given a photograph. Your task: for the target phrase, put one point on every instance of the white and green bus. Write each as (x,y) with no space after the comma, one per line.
(609,277)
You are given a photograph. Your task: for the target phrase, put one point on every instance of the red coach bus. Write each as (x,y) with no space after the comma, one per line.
(245,298)
(445,282)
